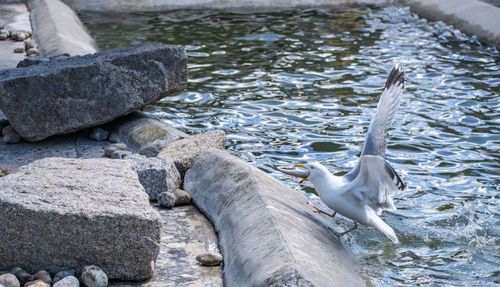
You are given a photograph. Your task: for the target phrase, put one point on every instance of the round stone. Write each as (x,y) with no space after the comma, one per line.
(19,50)
(9,280)
(68,281)
(41,275)
(62,274)
(93,276)
(166,199)
(209,258)
(32,51)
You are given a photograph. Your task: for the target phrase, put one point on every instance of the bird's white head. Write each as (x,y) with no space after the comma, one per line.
(317,172)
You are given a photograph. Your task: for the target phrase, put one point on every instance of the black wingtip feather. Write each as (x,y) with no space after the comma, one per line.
(396,77)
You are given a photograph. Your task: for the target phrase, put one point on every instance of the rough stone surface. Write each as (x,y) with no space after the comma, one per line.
(120,154)
(9,280)
(10,136)
(144,134)
(166,199)
(185,234)
(68,281)
(470,16)
(98,134)
(267,233)
(93,276)
(21,275)
(58,30)
(78,211)
(110,148)
(183,152)
(209,258)
(41,275)
(182,197)
(156,175)
(32,61)
(84,91)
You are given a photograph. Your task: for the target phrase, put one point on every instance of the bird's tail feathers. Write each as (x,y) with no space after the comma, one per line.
(385,229)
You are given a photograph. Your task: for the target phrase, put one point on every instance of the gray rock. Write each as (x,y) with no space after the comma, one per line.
(36,283)
(58,30)
(3,124)
(9,280)
(62,274)
(110,148)
(68,281)
(19,50)
(10,136)
(156,175)
(120,154)
(93,276)
(21,275)
(28,44)
(19,36)
(182,197)
(209,258)
(114,137)
(94,200)
(98,134)
(33,60)
(4,35)
(166,199)
(267,233)
(4,171)
(32,51)
(86,91)
(41,275)
(145,134)
(183,152)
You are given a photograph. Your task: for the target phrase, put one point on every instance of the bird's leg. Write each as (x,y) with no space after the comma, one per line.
(339,234)
(317,210)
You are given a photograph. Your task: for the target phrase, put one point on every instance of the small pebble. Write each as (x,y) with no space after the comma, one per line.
(61,274)
(19,50)
(10,136)
(166,199)
(3,172)
(209,258)
(28,44)
(9,280)
(93,276)
(33,60)
(41,275)
(36,283)
(19,36)
(21,275)
(110,148)
(98,134)
(182,197)
(4,35)
(120,154)
(32,51)
(68,281)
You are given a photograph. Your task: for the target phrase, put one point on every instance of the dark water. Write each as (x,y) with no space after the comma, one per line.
(302,85)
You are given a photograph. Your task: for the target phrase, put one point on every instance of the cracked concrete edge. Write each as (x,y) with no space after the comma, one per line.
(58,30)
(472,17)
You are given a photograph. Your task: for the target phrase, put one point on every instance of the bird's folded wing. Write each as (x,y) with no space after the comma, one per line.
(375,183)
(376,141)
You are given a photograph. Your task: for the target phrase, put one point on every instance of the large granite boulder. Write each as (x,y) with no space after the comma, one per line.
(63,96)
(59,214)
(267,233)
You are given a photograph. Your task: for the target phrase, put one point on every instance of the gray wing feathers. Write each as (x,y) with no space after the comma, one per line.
(376,141)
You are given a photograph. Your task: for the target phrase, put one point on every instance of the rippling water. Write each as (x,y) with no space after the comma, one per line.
(302,85)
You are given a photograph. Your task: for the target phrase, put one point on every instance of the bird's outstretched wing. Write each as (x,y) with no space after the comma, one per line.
(376,140)
(375,182)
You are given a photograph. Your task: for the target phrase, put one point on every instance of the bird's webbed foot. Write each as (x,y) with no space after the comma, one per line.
(319,211)
(340,234)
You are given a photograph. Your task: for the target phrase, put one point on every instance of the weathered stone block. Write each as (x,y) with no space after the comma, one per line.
(62,213)
(84,91)
(267,233)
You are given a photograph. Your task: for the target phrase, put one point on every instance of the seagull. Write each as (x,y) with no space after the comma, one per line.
(364,192)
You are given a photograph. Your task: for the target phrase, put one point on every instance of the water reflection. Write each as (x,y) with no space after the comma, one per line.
(302,85)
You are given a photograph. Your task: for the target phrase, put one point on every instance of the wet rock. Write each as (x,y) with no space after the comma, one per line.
(182,197)
(110,148)
(36,283)
(21,275)
(166,199)
(41,275)
(10,136)
(209,258)
(9,280)
(33,60)
(98,134)
(19,36)
(120,154)
(19,50)
(32,51)
(93,276)
(183,152)
(86,91)
(28,44)
(95,199)
(156,175)
(68,281)
(62,274)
